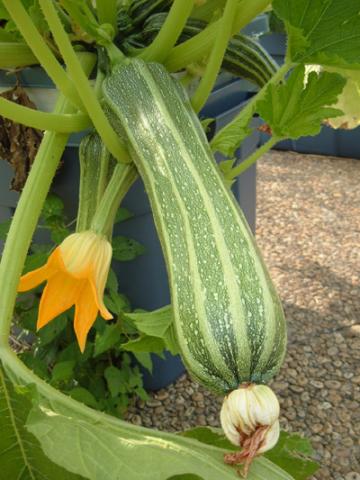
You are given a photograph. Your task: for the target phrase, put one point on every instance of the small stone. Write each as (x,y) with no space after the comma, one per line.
(159,410)
(316,383)
(352,476)
(316,427)
(326,405)
(152,403)
(162,395)
(136,420)
(332,351)
(201,419)
(296,388)
(198,397)
(333,384)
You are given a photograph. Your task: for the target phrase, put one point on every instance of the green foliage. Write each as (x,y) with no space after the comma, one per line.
(26,459)
(324,32)
(98,446)
(293,110)
(105,377)
(292,452)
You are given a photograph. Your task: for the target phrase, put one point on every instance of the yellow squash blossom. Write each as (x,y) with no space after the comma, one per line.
(76,274)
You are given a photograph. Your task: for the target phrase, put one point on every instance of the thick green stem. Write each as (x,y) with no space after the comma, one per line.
(106,12)
(121,180)
(57,122)
(216,56)
(28,211)
(253,158)
(198,47)
(16,55)
(170,31)
(83,87)
(41,51)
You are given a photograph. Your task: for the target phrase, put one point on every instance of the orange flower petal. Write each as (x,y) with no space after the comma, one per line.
(60,293)
(104,312)
(33,279)
(86,311)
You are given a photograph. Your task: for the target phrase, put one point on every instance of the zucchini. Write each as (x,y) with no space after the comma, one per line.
(228,318)
(244,56)
(130,17)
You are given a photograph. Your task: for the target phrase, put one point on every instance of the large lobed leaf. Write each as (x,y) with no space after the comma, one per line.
(20,453)
(293,110)
(98,446)
(326,32)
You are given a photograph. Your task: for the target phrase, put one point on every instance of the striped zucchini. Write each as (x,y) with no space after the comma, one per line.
(134,15)
(228,318)
(244,56)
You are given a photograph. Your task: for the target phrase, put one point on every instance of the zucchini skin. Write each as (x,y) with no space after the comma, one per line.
(228,317)
(244,56)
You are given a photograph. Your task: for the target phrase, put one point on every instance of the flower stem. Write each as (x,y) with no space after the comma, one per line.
(122,179)
(82,85)
(170,31)
(216,56)
(41,51)
(200,45)
(28,211)
(57,122)
(252,158)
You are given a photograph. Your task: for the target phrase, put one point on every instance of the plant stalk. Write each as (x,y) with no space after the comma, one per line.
(170,31)
(199,46)
(216,56)
(82,85)
(56,122)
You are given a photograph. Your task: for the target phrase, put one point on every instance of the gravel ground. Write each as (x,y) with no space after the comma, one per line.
(308,227)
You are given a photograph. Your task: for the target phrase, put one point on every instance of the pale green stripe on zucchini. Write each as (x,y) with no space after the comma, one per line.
(228,318)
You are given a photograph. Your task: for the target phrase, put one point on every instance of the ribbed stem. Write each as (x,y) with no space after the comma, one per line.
(170,31)
(216,56)
(121,180)
(82,84)
(56,122)
(16,55)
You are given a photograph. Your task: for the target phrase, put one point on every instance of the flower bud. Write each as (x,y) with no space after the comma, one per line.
(250,419)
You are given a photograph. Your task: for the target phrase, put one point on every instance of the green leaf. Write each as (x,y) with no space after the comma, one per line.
(123,214)
(99,446)
(116,380)
(153,323)
(144,358)
(4,228)
(145,344)
(112,281)
(116,302)
(63,371)
(348,101)
(292,453)
(107,339)
(293,111)
(36,364)
(230,137)
(84,396)
(21,453)
(34,261)
(158,323)
(50,331)
(125,249)
(325,32)
(53,207)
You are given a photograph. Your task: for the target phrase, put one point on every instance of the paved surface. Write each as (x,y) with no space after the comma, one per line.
(309,231)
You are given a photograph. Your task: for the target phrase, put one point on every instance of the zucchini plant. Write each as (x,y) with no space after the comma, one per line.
(225,316)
